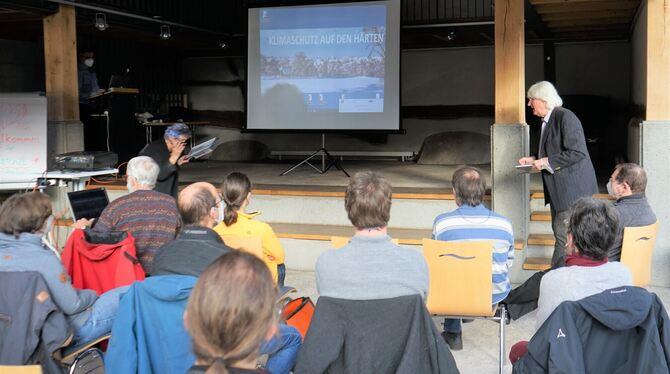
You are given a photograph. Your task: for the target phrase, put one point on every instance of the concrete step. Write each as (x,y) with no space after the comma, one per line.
(541,239)
(412,208)
(537,263)
(540,216)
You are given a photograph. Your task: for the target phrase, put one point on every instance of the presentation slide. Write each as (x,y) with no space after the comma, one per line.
(324,67)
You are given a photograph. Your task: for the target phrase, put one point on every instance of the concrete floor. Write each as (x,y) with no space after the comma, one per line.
(480,338)
(400,174)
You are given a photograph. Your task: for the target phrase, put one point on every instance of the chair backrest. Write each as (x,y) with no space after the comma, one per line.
(637,249)
(338,242)
(26,369)
(249,244)
(460,277)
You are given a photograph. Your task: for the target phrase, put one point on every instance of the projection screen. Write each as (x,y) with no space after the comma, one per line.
(327,67)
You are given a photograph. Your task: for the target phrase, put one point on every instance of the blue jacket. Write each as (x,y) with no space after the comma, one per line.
(148,335)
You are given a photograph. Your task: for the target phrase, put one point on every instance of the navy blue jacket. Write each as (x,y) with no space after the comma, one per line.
(622,330)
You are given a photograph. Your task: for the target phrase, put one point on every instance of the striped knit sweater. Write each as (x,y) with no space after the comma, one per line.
(468,223)
(151,217)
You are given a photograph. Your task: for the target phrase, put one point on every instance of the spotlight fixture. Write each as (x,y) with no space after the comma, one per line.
(165,32)
(451,36)
(223,44)
(101,22)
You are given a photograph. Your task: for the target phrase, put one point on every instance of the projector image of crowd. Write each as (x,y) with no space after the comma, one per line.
(301,66)
(191,281)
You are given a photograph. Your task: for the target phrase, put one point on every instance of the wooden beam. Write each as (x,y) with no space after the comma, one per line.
(658,60)
(509,62)
(535,22)
(621,13)
(587,22)
(60,62)
(567,2)
(586,7)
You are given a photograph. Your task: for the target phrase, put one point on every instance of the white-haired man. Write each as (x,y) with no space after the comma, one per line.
(562,157)
(152,217)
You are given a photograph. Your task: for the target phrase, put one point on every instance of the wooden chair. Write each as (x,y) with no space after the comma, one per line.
(25,369)
(637,249)
(460,283)
(249,244)
(338,242)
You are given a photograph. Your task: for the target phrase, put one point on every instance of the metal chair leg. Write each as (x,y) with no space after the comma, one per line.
(503,319)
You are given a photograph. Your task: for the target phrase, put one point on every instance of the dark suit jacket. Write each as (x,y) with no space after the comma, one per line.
(574,177)
(168,177)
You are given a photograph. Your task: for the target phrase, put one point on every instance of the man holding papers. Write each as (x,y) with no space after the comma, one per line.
(562,157)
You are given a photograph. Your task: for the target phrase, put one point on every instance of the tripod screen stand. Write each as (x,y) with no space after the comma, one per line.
(332,161)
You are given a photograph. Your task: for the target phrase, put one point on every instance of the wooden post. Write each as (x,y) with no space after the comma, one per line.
(60,61)
(509,59)
(658,60)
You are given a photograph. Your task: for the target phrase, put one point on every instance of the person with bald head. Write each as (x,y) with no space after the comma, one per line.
(197,245)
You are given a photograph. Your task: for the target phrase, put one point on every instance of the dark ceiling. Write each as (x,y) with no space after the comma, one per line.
(202,27)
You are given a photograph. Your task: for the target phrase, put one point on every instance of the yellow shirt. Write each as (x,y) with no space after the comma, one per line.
(273,252)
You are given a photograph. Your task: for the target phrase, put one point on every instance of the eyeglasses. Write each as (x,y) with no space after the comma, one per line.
(216,204)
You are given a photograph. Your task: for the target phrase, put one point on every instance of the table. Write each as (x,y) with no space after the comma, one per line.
(148,128)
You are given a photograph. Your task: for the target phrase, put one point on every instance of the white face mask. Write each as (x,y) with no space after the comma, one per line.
(610,189)
(89,62)
(221,213)
(48,226)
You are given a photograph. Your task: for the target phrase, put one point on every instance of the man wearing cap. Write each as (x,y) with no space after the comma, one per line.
(167,153)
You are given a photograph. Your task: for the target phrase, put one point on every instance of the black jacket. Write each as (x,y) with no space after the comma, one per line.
(32,328)
(189,254)
(565,146)
(374,336)
(619,331)
(168,176)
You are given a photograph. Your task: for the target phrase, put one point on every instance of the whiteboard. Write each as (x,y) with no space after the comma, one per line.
(23,138)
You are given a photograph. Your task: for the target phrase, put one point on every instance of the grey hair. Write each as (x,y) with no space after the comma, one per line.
(144,169)
(546,92)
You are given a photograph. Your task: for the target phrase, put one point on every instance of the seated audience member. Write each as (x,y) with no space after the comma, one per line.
(370,266)
(472,221)
(24,220)
(592,229)
(230,313)
(620,330)
(198,245)
(627,184)
(236,190)
(168,153)
(151,216)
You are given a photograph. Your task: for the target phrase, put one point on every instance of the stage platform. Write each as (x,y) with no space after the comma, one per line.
(406,177)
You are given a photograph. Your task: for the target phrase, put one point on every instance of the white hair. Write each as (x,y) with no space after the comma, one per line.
(546,92)
(144,169)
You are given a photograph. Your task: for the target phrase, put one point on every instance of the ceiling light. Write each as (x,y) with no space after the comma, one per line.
(165,32)
(101,22)
(223,44)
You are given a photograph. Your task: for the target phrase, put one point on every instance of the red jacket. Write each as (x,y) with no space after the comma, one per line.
(101,261)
